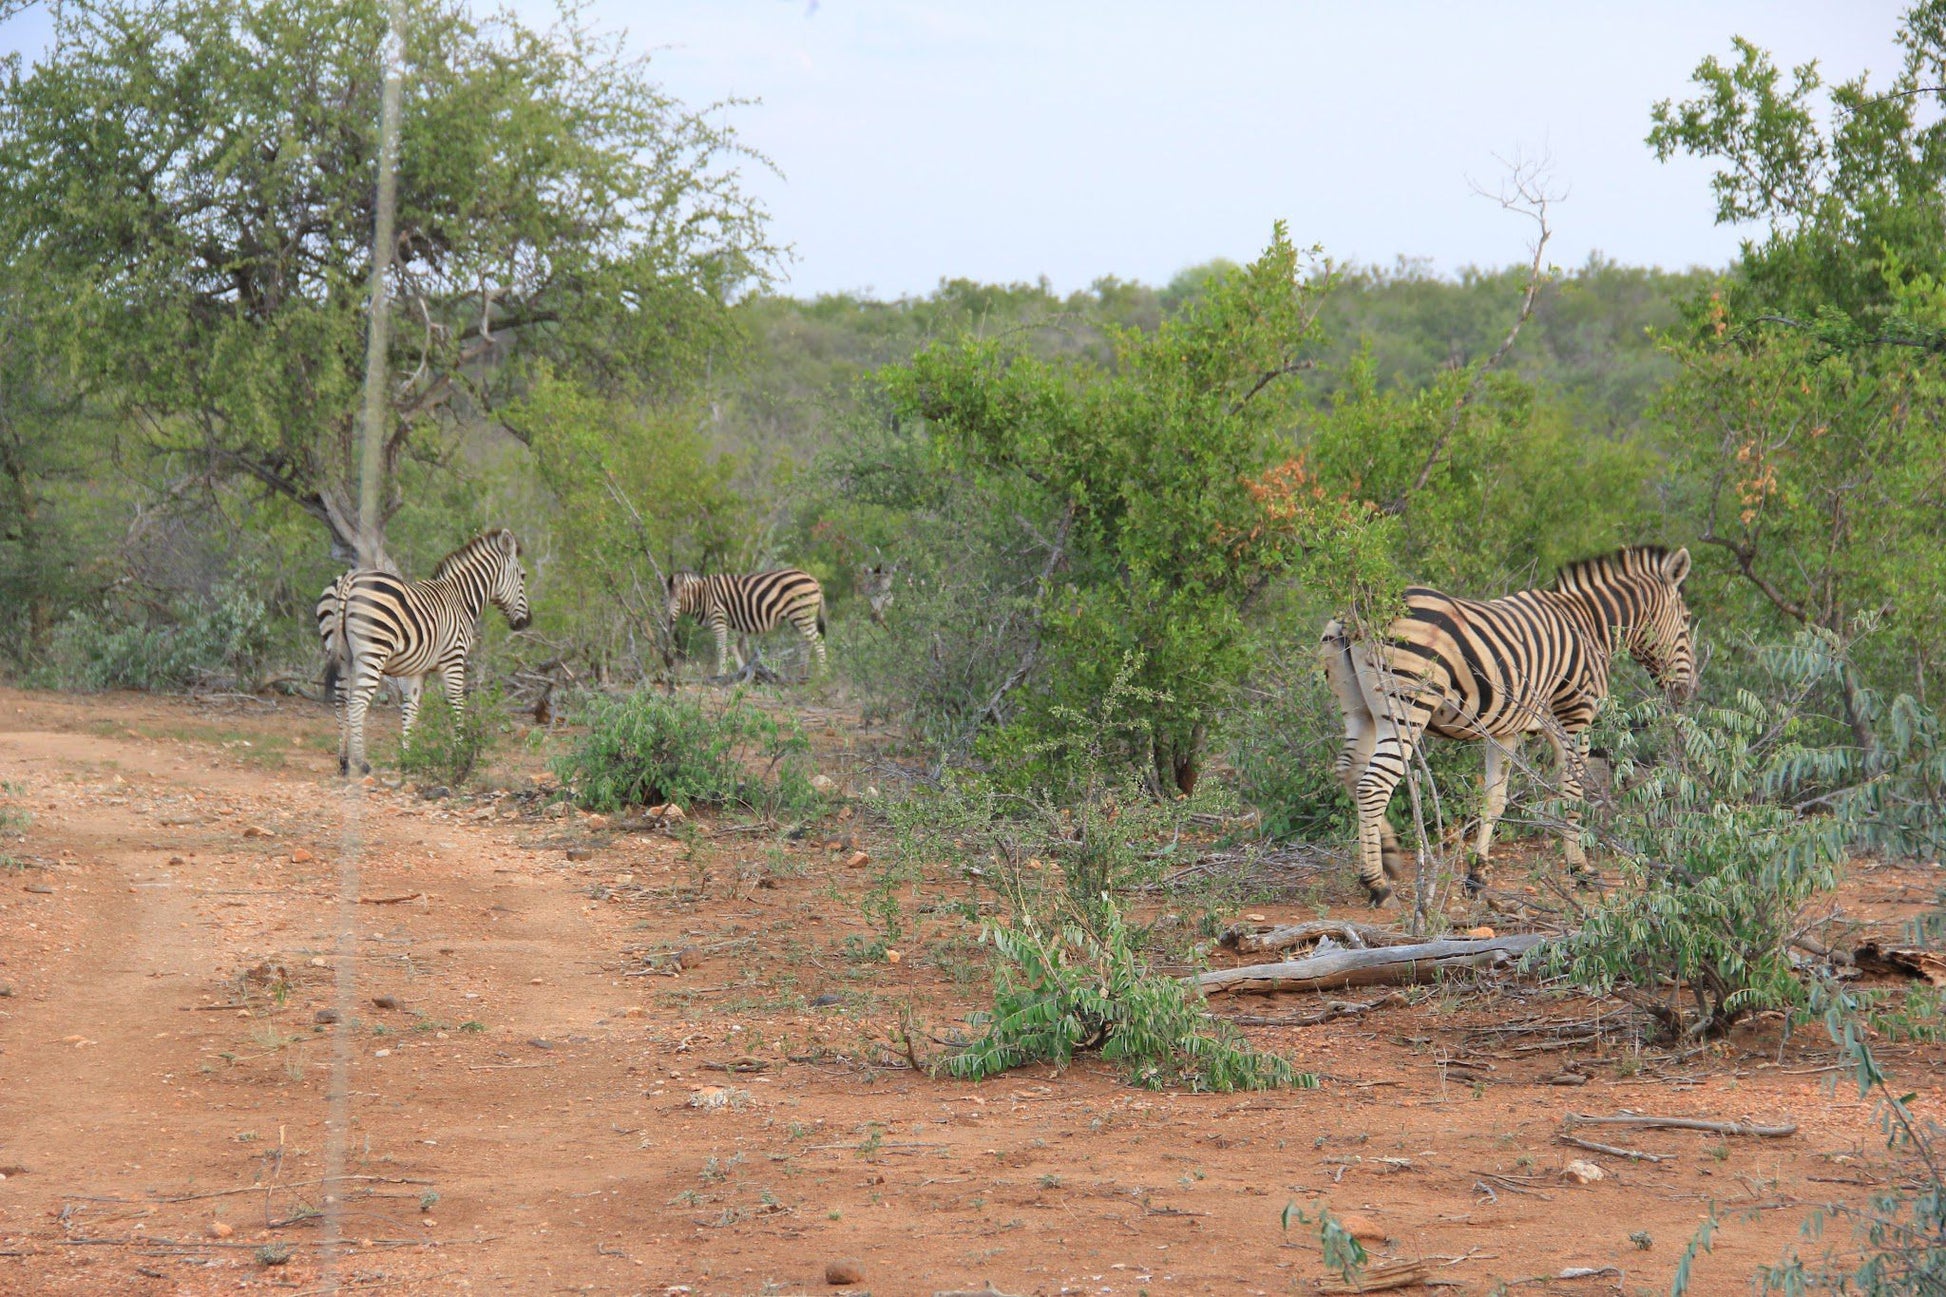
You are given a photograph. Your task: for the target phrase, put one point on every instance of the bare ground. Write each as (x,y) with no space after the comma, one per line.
(541,1105)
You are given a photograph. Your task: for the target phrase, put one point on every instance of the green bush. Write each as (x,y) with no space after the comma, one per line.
(447,747)
(648,748)
(1714,876)
(218,641)
(1057,993)
(1898,1233)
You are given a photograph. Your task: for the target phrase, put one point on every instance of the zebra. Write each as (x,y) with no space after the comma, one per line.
(750,605)
(875,583)
(1537,660)
(375,624)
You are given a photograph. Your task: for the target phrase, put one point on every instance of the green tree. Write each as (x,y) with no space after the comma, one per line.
(1141,484)
(198,178)
(1805,424)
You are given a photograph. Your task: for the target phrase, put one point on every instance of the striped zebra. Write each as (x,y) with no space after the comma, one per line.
(1535,661)
(375,624)
(875,583)
(750,605)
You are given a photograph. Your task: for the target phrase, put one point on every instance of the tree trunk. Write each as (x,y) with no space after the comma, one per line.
(1421,962)
(1178,762)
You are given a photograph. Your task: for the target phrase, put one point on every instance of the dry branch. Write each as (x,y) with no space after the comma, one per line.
(1391,1274)
(1613,1150)
(1420,962)
(1903,961)
(1683,1123)
(1332,1009)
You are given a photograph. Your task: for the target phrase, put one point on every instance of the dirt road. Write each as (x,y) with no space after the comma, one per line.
(652,1064)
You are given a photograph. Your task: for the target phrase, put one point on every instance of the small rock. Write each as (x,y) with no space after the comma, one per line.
(1481,933)
(635,1011)
(538,1043)
(40,889)
(434,794)
(672,812)
(300,856)
(824,1001)
(325,1016)
(217,1229)
(1255,918)
(1361,1227)
(535,981)
(655,812)
(871,793)
(839,1273)
(581,853)
(893,956)
(689,957)
(823,783)
(623,880)
(1567,1078)
(428,1222)
(177,860)
(257,831)
(381,1053)
(385,1001)
(859,859)
(1582,1172)
(597,821)
(319,961)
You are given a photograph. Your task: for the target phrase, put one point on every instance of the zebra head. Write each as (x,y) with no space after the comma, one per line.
(683,590)
(875,583)
(507,589)
(1660,638)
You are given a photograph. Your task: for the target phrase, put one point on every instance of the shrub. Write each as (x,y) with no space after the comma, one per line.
(222,640)
(1714,878)
(647,748)
(447,746)
(1057,993)
(1898,1237)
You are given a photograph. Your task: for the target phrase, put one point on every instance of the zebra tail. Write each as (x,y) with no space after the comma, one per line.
(820,615)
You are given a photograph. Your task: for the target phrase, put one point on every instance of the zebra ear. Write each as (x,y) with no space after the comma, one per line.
(1676,566)
(503,540)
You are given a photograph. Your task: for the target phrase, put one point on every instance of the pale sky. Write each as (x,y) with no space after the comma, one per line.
(1002,140)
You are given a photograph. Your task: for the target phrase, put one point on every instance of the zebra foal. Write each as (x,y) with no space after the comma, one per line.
(750,605)
(375,624)
(1499,670)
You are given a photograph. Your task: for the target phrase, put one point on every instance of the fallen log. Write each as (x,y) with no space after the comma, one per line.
(1903,961)
(1682,1123)
(1359,936)
(1420,962)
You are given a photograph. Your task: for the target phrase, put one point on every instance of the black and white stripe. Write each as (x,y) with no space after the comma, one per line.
(375,624)
(750,605)
(1536,661)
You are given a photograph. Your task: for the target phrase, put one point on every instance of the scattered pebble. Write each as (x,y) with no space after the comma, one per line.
(1582,1172)
(385,1001)
(218,1229)
(581,853)
(838,1273)
(325,1016)
(859,859)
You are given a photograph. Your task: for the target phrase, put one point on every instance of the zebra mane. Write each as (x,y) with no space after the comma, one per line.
(480,544)
(1631,560)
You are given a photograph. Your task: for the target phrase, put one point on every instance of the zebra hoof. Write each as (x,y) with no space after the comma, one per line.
(1380,896)
(1475,884)
(344,768)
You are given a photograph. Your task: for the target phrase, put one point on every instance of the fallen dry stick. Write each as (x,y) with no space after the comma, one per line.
(1683,1123)
(1391,1274)
(1333,1009)
(1612,1149)
(1421,962)
(389,900)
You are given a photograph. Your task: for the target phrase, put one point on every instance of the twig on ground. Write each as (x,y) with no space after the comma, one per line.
(1683,1123)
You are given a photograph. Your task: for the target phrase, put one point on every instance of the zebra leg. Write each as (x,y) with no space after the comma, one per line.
(721,628)
(342,698)
(411,693)
(1379,857)
(1500,769)
(358,700)
(1396,731)
(1570,753)
(816,642)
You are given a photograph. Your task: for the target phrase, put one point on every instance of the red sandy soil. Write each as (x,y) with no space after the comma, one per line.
(547,1073)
